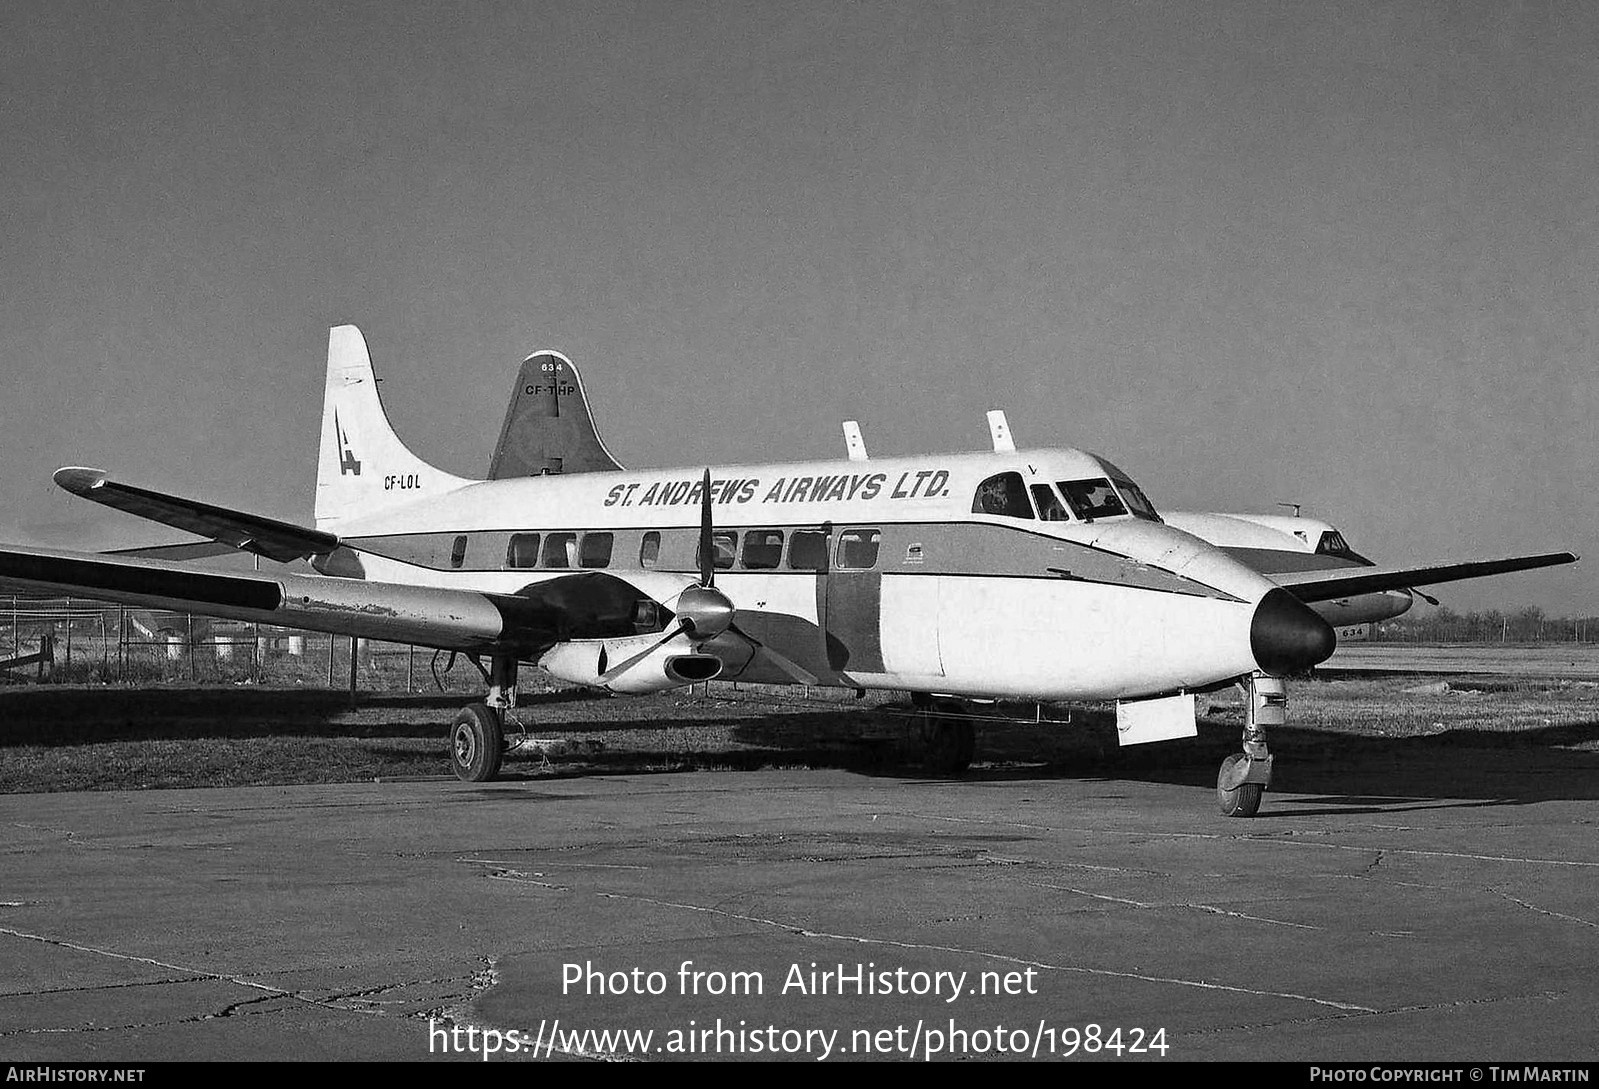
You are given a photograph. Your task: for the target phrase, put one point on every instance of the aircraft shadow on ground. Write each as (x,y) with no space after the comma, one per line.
(80,716)
(1343,773)
(1326,771)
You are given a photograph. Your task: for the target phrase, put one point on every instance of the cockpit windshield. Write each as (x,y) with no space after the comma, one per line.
(1098,498)
(1092,499)
(1332,543)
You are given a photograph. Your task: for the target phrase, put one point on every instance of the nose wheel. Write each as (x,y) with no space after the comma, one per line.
(1242,800)
(1244,776)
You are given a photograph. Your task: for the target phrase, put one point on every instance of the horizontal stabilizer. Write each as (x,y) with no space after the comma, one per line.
(1328,585)
(583,605)
(281,541)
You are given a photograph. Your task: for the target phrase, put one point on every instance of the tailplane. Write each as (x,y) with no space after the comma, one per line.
(363,467)
(548,427)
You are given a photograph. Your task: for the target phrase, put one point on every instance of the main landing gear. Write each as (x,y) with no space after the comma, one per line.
(948,736)
(1244,776)
(477,738)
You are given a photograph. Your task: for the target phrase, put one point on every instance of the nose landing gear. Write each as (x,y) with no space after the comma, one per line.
(1244,776)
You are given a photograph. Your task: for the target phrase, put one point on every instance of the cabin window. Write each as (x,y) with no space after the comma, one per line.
(724,546)
(857,548)
(649,553)
(763,549)
(1092,499)
(458,551)
(1003,494)
(1049,507)
(807,550)
(560,550)
(522,550)
(596,550)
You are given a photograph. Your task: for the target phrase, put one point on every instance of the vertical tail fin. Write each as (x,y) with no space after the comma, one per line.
(548,427)
(363,467)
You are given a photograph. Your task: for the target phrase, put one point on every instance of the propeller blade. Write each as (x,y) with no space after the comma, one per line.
(628,663)
(707,555)
(787,665)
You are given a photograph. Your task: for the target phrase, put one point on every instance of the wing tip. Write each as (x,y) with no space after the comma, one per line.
(80,479)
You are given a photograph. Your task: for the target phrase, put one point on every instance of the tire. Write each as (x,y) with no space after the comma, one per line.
(1244,799)
(476,744)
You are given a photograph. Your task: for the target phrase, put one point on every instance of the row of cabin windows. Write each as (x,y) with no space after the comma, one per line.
(762,550)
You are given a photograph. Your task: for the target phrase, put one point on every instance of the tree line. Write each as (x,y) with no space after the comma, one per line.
(1529,625)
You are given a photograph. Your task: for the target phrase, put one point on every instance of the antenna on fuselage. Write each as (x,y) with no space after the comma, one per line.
(999,429)
(853,443)
(1295,506)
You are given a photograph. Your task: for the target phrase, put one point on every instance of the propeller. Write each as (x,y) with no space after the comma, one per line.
(704,612)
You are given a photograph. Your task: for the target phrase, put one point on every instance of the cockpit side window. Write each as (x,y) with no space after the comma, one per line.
(1090,499)
(1049,507)
(1003,494)
(1138,503)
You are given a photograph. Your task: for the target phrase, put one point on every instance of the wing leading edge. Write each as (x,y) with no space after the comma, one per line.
(281,541)
(1328,585)
(583,605)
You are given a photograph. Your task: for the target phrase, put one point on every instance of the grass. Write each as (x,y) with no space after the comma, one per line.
(174,734)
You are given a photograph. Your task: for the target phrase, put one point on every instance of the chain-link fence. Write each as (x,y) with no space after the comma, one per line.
(74,641)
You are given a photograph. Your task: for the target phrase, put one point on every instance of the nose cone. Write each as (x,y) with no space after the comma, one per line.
(1286,636)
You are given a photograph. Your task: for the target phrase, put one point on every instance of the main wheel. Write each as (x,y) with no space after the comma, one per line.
(951,744)
(476,744)
(1242,800)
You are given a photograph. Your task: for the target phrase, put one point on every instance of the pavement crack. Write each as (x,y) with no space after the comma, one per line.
(1288,841)
(1543,911)
(1210,909)
(200,973)
(103,986)
(892,943)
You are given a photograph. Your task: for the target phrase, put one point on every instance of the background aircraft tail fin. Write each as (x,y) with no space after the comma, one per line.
(548,427)
(363,467)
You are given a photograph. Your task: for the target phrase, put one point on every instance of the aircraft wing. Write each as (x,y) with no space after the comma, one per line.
(582,605)
(1328,585)
(281,541)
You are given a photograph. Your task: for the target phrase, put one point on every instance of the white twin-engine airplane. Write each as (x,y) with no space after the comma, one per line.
(1038,575)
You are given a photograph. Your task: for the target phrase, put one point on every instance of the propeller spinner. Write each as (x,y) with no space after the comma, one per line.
(704,612)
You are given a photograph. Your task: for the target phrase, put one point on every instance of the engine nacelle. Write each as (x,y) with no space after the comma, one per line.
(670,665)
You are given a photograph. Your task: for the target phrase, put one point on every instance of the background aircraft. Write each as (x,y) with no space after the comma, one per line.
(1038,574)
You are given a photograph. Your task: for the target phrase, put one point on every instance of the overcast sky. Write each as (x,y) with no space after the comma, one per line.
(1342,254)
